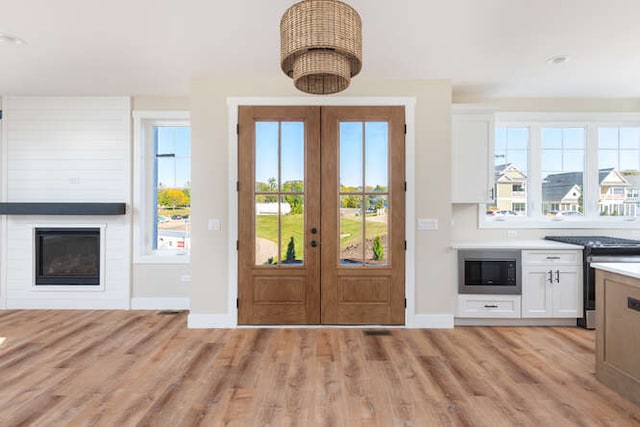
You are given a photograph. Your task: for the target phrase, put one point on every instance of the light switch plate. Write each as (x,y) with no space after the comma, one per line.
(215,224)
(427,224)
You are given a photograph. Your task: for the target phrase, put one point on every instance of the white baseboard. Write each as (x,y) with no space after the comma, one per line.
(70,304)
(211,321)
(515,322)
(228,320)
(160,303)
(432,321)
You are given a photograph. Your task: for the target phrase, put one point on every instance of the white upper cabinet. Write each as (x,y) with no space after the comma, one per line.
(472,154)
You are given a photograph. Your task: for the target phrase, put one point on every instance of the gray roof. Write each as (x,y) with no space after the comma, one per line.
(633,180)
(557,185)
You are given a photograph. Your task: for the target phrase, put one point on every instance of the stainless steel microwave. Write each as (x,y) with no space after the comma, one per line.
(486,271)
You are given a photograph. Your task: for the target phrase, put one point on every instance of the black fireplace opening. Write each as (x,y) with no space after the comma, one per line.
(67,256)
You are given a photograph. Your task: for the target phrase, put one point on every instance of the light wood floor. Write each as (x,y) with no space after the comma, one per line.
(117,368)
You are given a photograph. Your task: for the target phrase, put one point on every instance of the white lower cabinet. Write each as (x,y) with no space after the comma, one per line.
(497,306)
(552,289)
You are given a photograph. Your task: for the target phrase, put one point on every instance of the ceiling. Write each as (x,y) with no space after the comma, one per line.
(488,48)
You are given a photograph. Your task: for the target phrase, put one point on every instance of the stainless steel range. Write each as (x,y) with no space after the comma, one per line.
(598,249)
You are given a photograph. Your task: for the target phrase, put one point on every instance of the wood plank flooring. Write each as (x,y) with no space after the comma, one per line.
(125,368)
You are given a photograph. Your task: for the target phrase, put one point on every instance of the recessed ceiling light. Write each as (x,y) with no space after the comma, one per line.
(559,59)
(8,38)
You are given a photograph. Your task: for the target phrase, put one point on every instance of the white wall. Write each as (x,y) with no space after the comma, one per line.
(65,150)
(434,293)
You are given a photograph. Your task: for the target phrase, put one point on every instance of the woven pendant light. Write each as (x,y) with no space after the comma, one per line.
(321,45)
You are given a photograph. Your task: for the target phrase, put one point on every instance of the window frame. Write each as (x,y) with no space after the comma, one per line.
(143,173)
(535,122)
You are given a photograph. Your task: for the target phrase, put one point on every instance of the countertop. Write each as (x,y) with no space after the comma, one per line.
(631,269)
(514,244)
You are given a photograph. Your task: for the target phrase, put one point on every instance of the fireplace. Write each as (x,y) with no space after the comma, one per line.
(67,256)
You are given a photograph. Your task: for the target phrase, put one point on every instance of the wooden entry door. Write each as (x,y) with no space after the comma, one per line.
(321,215)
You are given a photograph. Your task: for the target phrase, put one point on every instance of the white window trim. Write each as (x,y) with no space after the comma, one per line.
(590,122)
(142,177)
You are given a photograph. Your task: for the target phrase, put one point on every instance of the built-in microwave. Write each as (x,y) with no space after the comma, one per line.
(487,271)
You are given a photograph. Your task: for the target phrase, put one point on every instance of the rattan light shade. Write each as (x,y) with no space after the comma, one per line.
(321,45)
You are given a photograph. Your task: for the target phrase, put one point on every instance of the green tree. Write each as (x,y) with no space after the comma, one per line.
(173,197)
(294,200)
(378,251)
(291,251)
(267,187)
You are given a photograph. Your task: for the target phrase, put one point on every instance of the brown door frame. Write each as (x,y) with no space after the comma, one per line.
(230,317)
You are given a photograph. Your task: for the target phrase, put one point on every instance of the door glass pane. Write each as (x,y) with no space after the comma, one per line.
(351,230)
(292,230)
(279,171)
(364,193)
(267,234)
(376,230)
(351,174)
(292,160)
(376,156)
(267,135)
(619,171)
(562,171)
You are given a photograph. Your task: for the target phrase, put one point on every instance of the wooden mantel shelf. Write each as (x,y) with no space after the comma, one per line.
(19,208)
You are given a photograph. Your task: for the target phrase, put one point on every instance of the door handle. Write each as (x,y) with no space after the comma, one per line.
(550,276)
(314,243)
(557,276)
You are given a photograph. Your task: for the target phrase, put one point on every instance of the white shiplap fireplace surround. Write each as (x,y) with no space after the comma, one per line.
(65,150)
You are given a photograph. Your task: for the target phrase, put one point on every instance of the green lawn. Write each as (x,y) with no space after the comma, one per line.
(292,225)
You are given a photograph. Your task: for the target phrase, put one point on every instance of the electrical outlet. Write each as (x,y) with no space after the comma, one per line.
(512,234)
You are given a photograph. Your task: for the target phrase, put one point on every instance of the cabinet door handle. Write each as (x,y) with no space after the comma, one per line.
(557,276)
(550,276)
(490,306)
(632,303)
(553,257)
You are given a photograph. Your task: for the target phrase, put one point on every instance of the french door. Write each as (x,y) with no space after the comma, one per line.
(321,196)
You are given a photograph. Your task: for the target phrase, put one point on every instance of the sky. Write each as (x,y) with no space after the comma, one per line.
(563,149)
(174,172)
(351,136)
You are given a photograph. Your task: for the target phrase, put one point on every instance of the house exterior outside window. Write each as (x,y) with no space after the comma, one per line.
(581,168)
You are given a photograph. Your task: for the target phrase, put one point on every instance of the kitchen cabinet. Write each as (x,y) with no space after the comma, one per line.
(488,306)
(472,155)
(618,328)
(551,284)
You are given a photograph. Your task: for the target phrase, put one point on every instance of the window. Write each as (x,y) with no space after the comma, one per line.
(554,167)
(162,173)
(562,170)
(618,170)
(510,171)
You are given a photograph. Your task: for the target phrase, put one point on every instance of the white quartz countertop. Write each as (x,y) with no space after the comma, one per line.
(514,244)
(631,269)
